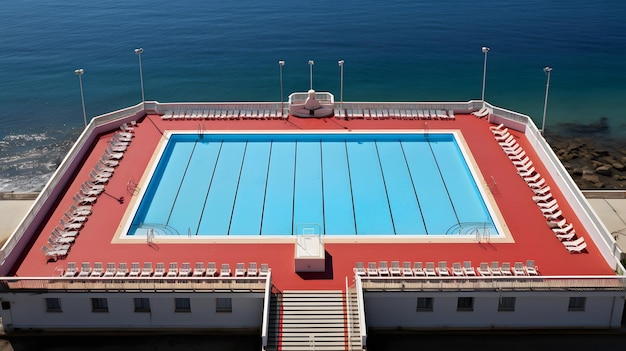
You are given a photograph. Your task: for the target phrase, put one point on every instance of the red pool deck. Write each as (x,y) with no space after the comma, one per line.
(532,238)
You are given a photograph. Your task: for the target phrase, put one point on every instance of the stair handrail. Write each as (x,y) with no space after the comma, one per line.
(349,312)
(361,306)
(266,310)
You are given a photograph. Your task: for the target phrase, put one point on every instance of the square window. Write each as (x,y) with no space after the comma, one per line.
(577,303)
(465,304)
(506,304)
(99,305)
(142,305)
(182,304)
(424,304)
(53,305)
(223,304)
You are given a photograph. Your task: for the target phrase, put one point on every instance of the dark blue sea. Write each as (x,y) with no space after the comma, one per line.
(206,50)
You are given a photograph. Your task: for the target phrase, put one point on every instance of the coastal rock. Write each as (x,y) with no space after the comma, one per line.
(618,166)
(604,170)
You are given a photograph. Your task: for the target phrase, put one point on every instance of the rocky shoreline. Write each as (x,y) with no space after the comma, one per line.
(593,163)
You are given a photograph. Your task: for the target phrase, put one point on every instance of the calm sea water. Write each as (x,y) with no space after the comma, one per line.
(206,50)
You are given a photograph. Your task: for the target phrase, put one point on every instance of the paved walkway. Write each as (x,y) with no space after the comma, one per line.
(610,206)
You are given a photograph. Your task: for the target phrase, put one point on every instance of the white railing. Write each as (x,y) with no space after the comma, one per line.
(266,310)
(495,283)
(48,196)
(349,315)
(361,307)
(133,284)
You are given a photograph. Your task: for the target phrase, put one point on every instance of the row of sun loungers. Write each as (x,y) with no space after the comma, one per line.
(224,114)
(65,233)
(394,113)
(161,270)
(458,269)
(547,204)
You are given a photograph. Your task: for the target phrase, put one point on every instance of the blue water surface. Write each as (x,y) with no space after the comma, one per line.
(199,50)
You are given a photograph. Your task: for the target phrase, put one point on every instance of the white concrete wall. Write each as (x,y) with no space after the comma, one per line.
(532,310)
(29,311)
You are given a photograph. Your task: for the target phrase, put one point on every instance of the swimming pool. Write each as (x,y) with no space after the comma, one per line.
(334,184)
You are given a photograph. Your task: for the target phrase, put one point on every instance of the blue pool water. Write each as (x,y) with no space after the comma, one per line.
(331,184)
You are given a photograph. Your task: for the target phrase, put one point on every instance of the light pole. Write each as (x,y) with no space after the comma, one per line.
(545,102)
(485,51)
(281,63)
(79,72)
(311,74)
(341,82)
(138,52)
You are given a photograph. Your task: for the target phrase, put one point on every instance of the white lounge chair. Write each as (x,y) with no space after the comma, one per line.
(484,111)
(85,269)
(516,155)
(198,270)
(159,269)
(406,269)
(554,216)
(457,269)
(122,269)
(483,269)
(110,270)
(497,127)
(225,270)
(468,269)
(430,269)
(211,269)
(185,269)
(502,136)
(566,236)
(383,268)
(59,240)
(147,270)
(98,269)
(506,268)
(359,269)
(530,268)
(395,269)
(264,270)
(135,270)
(523,164)
(442,269)
(518,268)
(371,269)
(543,198)
(541,191)
(528,174)
(172,271)
(530,177)
(577,249)
(569,227)
(71,270)
(418,270)
(538,184)
(60,232)
(573,243)
(253,270)
(240,269)
(495,268)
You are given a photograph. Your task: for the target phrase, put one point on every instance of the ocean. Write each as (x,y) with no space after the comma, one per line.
(205,50)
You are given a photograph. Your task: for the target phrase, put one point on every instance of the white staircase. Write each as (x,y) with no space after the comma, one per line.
(312,320)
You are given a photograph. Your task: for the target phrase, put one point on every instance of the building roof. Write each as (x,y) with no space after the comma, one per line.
(531,237)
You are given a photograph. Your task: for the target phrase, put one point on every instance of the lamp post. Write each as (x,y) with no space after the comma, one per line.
(485,51)
(341,82)
(79,72)
(545,102)
(281,63)
(311,74)
(138,52)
